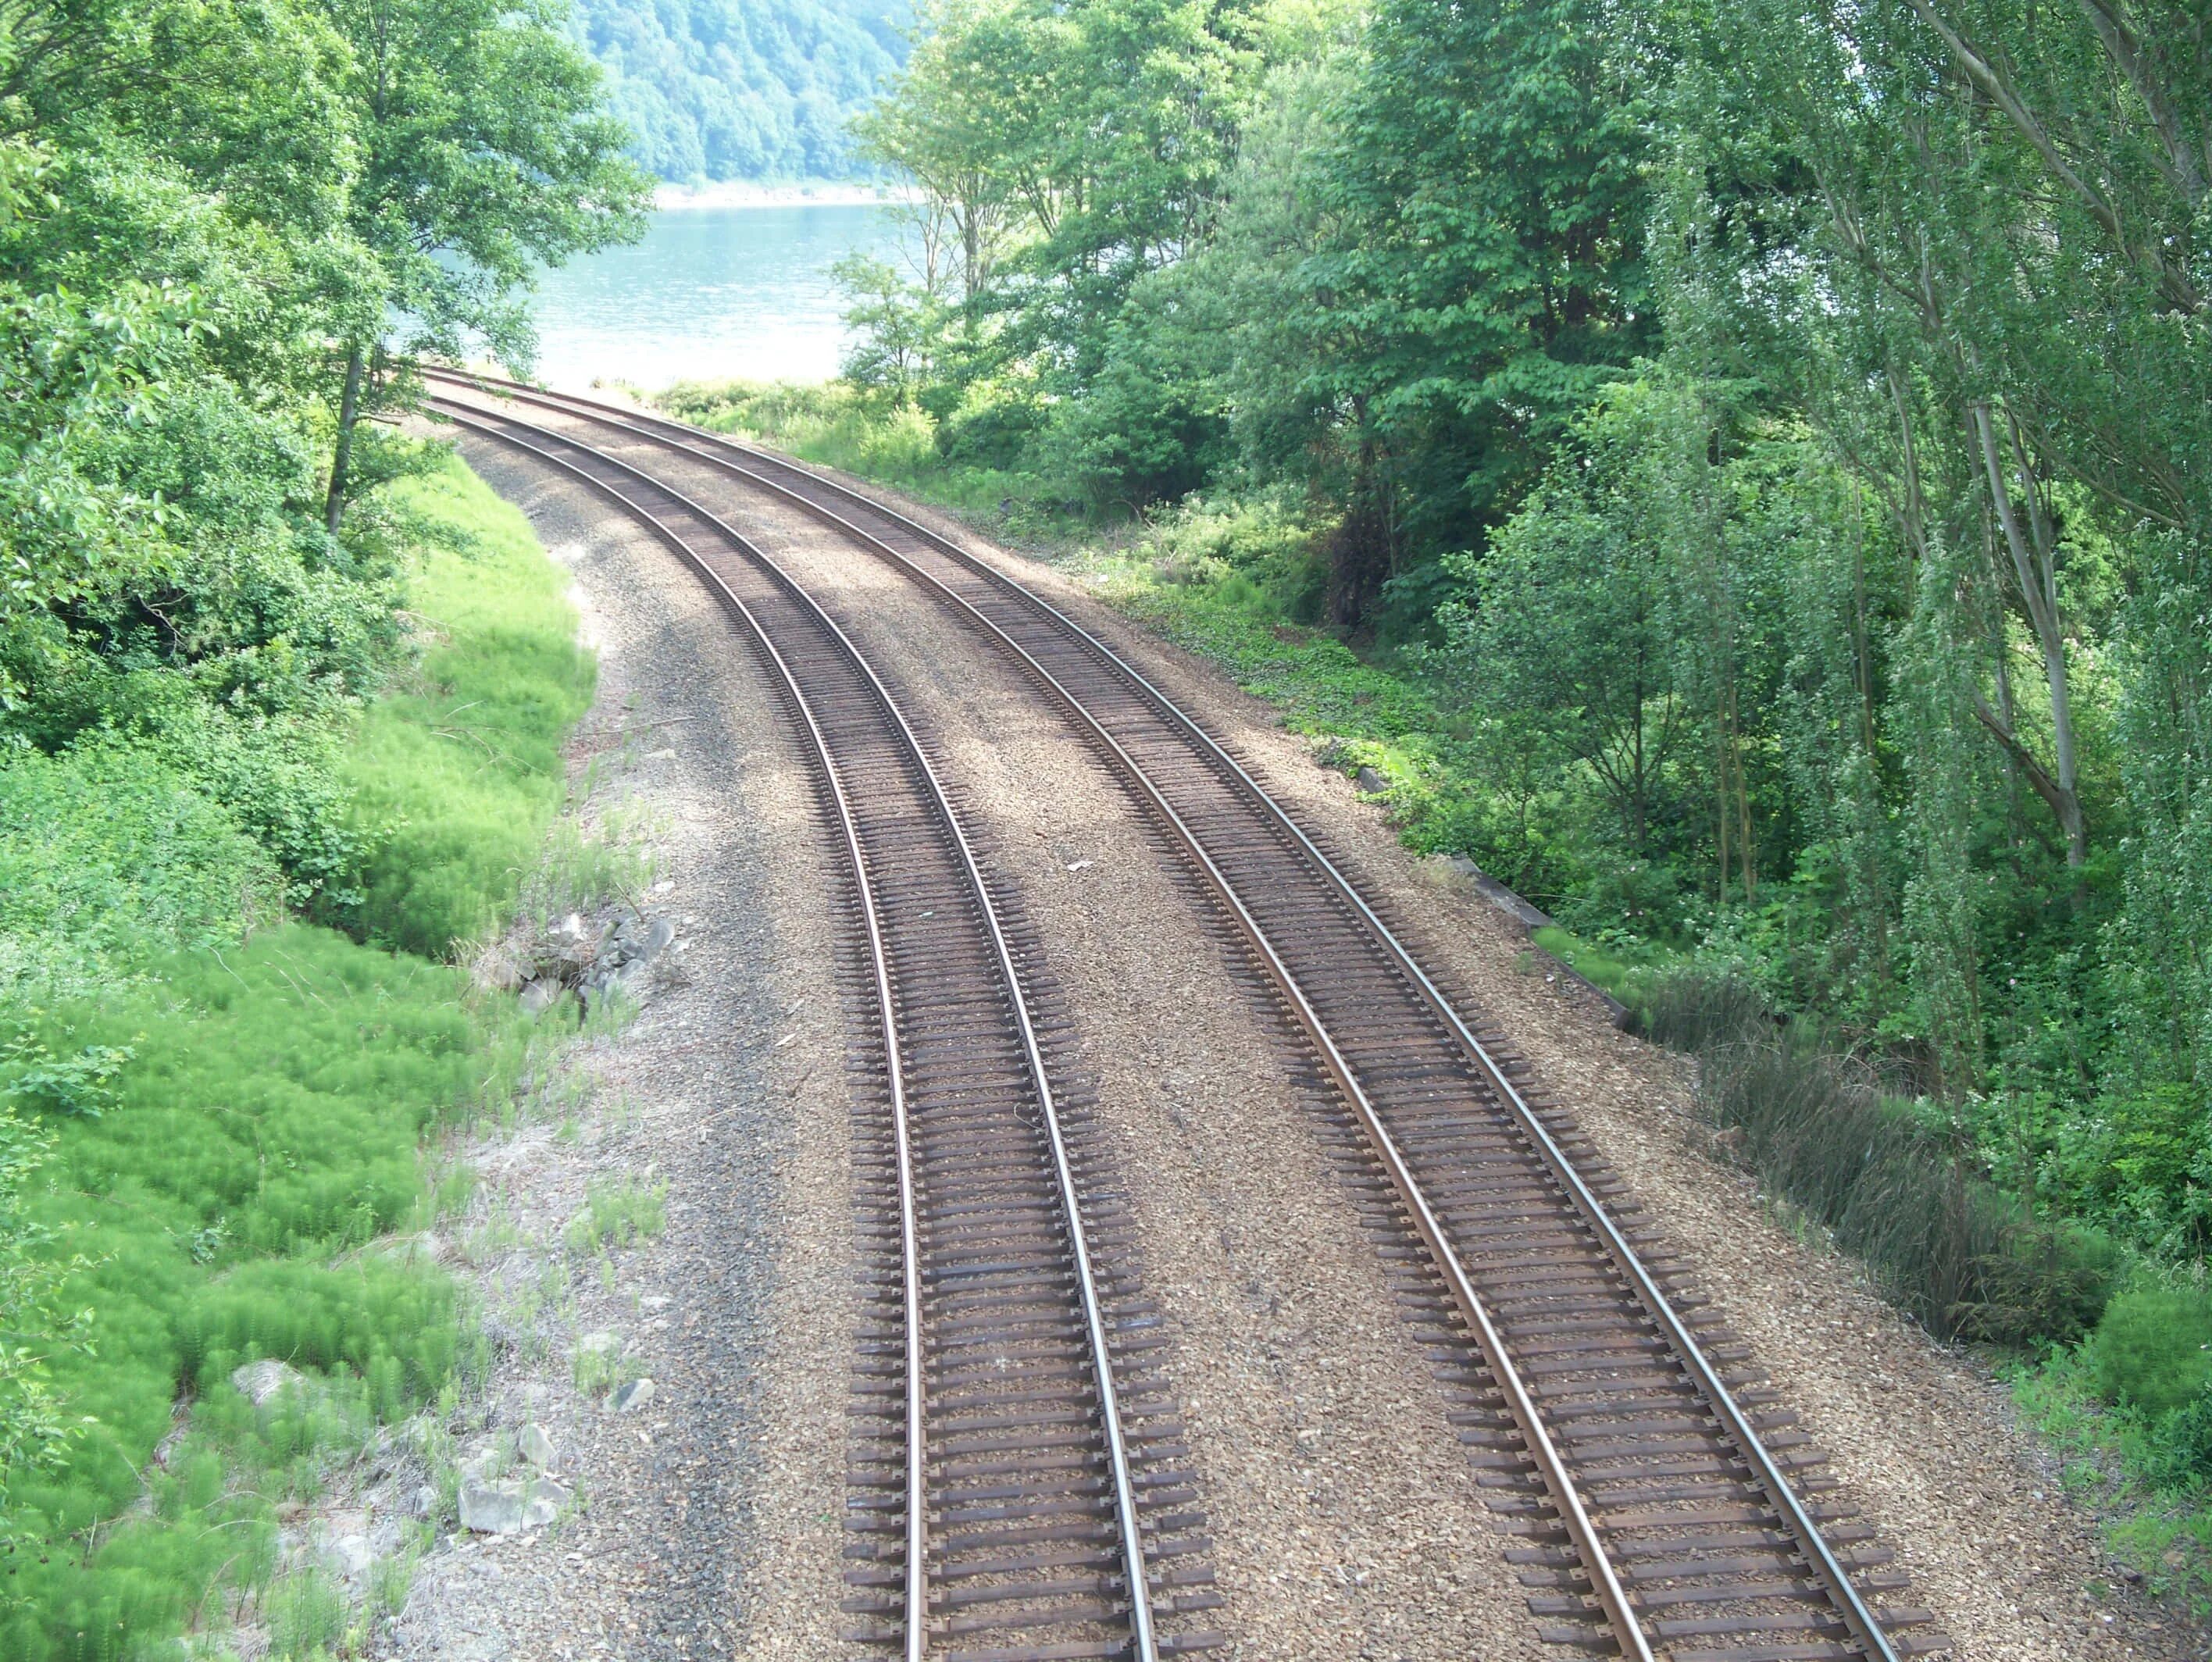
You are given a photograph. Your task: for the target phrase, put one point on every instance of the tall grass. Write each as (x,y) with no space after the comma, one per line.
(459,773)
(1890,1184)
(107,853)
(224,1201)
(835,425)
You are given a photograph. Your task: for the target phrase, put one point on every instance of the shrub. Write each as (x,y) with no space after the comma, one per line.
(2153,1350)
(108,857)
(1963,1257)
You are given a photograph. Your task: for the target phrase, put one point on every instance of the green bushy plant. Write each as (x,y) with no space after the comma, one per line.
(263,1129)
(2153,1350)
(840,426)
(108,855)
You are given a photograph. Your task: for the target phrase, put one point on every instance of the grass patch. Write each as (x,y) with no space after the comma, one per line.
(2154,1518)
(833,425)
(1892,1185)
(108,855)
(459,773)
(1623,970)
(225,1200)
(619,1212)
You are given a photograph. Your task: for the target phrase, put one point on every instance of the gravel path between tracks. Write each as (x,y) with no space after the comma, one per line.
(709,1517)
(1927,1441)
(1345,1518)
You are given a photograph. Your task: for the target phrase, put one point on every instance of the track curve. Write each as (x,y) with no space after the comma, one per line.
(1657,1489)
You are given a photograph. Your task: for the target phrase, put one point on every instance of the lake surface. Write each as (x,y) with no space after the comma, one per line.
(710,293)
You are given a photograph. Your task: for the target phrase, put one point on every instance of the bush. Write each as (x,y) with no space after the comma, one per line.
(1963,1257)
(837,426)
(2153,1350)
(109,856)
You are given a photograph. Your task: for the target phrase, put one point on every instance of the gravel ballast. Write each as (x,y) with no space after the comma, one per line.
(707,1517)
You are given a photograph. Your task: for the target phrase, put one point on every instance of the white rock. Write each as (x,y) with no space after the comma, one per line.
(536,1448)
(600,1342)
(259,1382)
(541,1502)
(350,1556)
(633,1394)
(491,1508)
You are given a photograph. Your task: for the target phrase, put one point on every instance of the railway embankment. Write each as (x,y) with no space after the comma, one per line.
(237,1059)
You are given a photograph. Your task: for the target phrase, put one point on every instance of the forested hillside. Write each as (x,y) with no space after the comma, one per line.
(1763,454)
(743,89)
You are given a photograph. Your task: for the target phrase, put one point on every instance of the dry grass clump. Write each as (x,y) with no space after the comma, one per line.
(1881,1172)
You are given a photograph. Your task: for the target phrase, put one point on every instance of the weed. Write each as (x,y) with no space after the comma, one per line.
(307,1612)
(618,1212)
(458,776)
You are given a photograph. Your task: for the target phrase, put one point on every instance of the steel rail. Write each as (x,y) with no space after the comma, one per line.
(1843,1593)
(1142,1637)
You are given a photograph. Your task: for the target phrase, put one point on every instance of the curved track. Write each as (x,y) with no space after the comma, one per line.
(1007,1493)
(1667,1508)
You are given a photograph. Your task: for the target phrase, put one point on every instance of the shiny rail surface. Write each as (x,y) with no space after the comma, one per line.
(1017,1495)
(1667,1505)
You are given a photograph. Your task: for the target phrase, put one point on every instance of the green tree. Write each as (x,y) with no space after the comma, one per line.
(484,152)
(1491,173)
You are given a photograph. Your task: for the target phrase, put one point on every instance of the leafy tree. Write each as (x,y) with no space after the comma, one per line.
(484,152)
(1491,171)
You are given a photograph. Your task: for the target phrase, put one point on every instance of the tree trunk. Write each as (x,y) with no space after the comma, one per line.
(2035,563)
(1360,549)
(341,456)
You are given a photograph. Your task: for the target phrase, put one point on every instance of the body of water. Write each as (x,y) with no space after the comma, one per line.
(710,293)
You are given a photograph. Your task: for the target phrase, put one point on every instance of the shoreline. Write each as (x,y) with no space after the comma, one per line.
(747,193)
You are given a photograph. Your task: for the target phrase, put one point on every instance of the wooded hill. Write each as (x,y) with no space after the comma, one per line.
(743,89)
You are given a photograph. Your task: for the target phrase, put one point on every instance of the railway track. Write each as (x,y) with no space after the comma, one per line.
(1664,1502)
(1015,1496)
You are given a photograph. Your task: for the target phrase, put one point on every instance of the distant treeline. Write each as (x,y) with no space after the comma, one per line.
(761,90)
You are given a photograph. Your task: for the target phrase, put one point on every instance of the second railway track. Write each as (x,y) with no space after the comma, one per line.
(1664,1504)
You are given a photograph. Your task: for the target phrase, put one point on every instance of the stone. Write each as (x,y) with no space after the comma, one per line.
(259,1382)
(537,996)
(599,1341)
(423,1502)
(632,1394)
(541,1502)
(536,1448)
(1369,782)
(350,1556)
(491,1508)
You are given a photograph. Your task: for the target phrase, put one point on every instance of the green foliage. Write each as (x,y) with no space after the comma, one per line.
(457,772)
(108,856)
(2153,1350)
(262,1129)
(1879,1174)
(721,91)
(485,154)
(618,1212)
(838,425)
